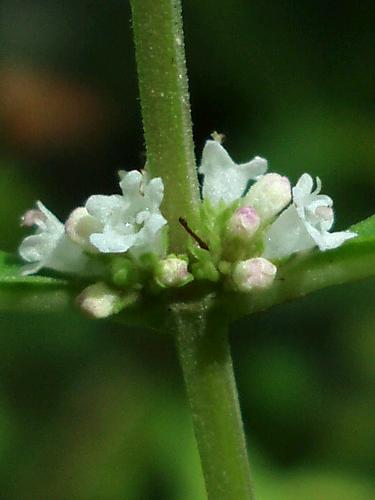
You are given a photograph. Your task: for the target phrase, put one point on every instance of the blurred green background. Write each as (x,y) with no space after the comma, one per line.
(90,411)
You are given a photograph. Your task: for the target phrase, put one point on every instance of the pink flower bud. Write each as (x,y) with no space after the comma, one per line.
(244,223)
(99,301)
(254,273)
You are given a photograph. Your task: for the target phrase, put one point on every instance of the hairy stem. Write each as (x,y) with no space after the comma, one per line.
(204,353)
(165,105)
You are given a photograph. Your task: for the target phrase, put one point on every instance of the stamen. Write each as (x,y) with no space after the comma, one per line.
(218,137)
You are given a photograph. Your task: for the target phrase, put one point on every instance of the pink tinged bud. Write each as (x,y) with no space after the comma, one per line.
(99,301)
(33,218)
(244,223)
(269,195)
(80,225)
(251,274)
(172,272)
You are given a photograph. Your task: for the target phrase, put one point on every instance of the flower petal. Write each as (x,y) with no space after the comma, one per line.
(328,241)
(154,192)
(112,242)
(213,156)
(67,257)
(255,167)
(287,235)
(52,221)
(304,185)
(103,207)
(36,247)
(131,184)
(33,268)
(127,219)
(223,179)
(155,222)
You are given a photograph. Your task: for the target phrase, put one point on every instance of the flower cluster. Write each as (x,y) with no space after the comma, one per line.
(252,229)
(251,221)
(128,223)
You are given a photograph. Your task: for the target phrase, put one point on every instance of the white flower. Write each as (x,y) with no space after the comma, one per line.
(305,224)
(131,221)
(49,246)
(256,273)
(223,179)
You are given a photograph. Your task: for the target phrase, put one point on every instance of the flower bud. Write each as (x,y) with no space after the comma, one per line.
(244,223)
(99,301)
(172,272)
(80,225)
(254,273)
(33,217)
(269,195)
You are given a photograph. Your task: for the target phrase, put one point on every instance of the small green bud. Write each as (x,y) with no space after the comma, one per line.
(124,272)
(205,270)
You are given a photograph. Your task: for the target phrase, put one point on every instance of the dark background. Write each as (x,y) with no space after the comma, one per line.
(90,411)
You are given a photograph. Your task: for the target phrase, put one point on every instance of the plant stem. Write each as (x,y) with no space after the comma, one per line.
(202,344)
(165,104)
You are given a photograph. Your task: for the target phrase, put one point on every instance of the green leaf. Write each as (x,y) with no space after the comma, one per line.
(30,299)
(20,293)
(10,274)
(40,294)
(311,271)
(365,230)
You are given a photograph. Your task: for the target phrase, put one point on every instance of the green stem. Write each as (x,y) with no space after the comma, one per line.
(164,95)
(205,358)
(202,344)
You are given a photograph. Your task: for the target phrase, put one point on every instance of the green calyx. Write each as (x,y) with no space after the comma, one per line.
(214,247)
